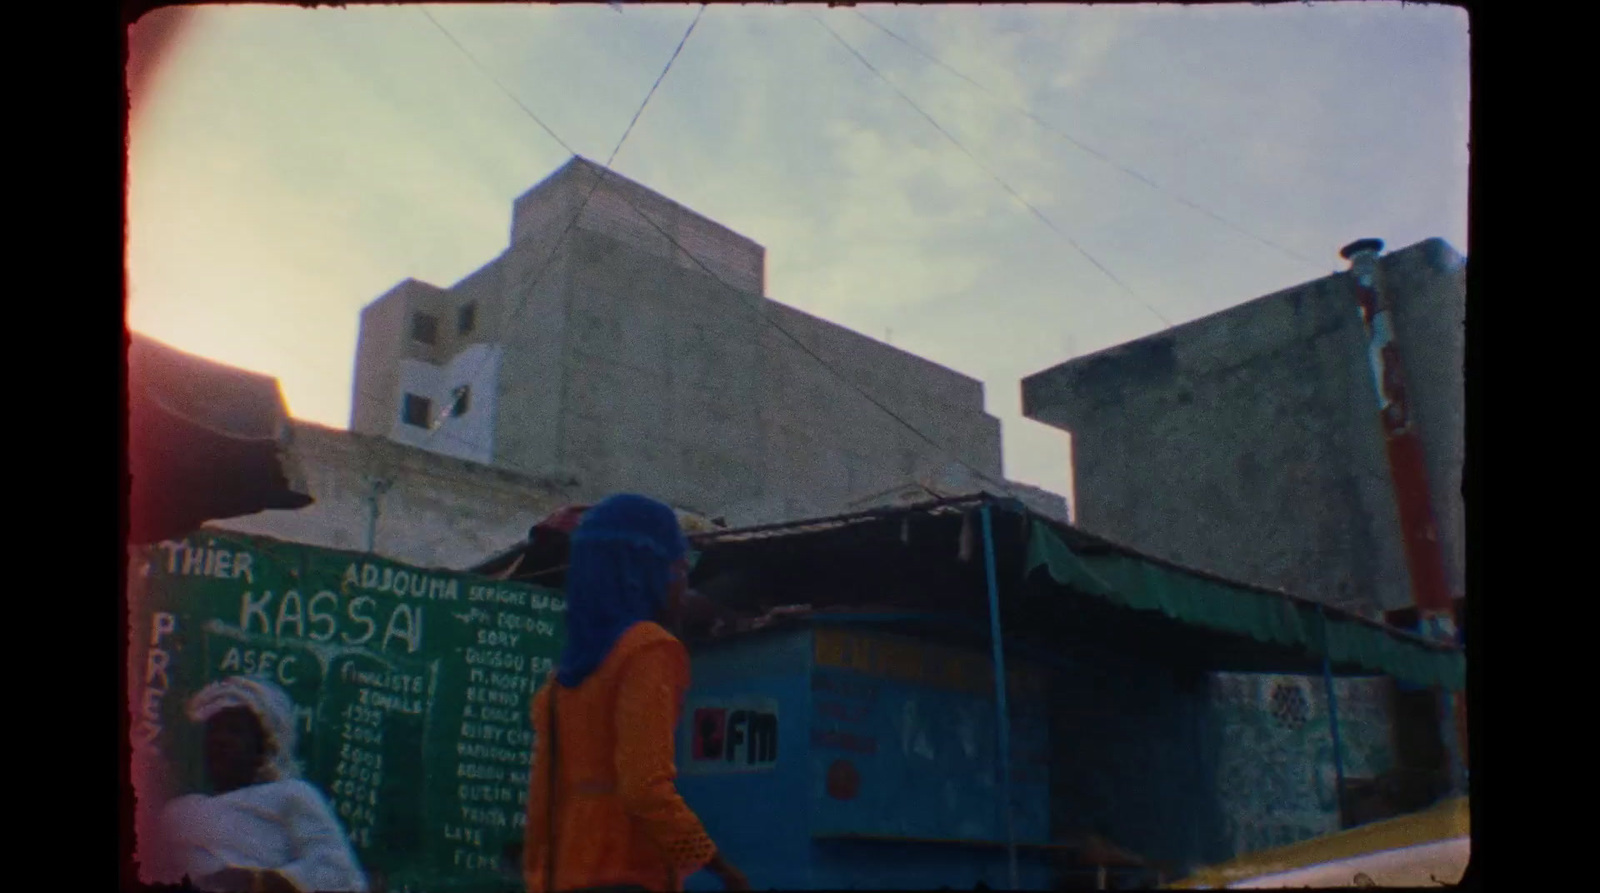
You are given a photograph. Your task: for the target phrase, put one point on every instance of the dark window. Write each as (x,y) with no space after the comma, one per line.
(416,410)
(461,399)
(424,328)
(466,318)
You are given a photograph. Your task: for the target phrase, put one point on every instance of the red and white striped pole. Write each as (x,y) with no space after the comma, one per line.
(1430,586)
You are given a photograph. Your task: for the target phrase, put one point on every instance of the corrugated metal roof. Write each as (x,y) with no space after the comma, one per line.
(1077,538)
(945,506)
(847,560)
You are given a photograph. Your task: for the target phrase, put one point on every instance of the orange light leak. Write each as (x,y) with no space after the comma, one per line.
(152,38)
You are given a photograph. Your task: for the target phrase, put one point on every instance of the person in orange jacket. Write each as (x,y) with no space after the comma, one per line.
(614,819)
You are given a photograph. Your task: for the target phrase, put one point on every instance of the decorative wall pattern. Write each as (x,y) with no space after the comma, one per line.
(1273,750)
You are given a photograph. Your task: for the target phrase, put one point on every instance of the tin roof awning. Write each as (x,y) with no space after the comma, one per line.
(541,559)
(205,442)
(1278,619)
(1058,584)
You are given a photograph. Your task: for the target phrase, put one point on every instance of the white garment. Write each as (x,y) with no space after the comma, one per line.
(286,826)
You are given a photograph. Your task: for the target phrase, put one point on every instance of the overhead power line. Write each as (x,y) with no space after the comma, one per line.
(503,88)
(1091,151)
(996,177)
(671,238)
(526,289)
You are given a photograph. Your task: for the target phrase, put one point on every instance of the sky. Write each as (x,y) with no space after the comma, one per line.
(287,166)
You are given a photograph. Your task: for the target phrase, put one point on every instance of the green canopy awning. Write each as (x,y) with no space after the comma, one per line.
(1271,618)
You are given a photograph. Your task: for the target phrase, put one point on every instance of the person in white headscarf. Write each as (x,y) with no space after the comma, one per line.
(264,828)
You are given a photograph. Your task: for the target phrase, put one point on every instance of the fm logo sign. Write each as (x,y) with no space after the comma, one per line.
(732,736)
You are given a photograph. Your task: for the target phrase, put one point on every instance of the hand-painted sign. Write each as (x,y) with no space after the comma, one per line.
(844,780)
(410,685)
(732,735)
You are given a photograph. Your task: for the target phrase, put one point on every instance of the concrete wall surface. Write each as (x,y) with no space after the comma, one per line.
(1248,443)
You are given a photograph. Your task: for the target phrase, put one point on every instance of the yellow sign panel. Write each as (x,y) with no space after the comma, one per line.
(917,663)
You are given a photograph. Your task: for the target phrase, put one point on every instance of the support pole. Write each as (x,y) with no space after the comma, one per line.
(1002,714)
(1333,726)
(378,487)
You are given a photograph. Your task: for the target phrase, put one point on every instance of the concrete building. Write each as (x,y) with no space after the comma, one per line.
(406,504)
(631,347)
(1248,443)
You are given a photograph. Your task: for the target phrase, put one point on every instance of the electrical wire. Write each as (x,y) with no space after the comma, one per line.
(981,475)
(490,75)
(994,176)
(526,289)
(822,361)
(1092,152)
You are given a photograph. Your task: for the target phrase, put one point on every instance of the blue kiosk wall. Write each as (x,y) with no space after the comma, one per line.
(833,758)
(750,796)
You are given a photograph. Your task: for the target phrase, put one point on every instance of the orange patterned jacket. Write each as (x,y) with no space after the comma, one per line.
(619,819)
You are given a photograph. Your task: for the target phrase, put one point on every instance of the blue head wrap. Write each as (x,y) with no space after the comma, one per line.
(622,556)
